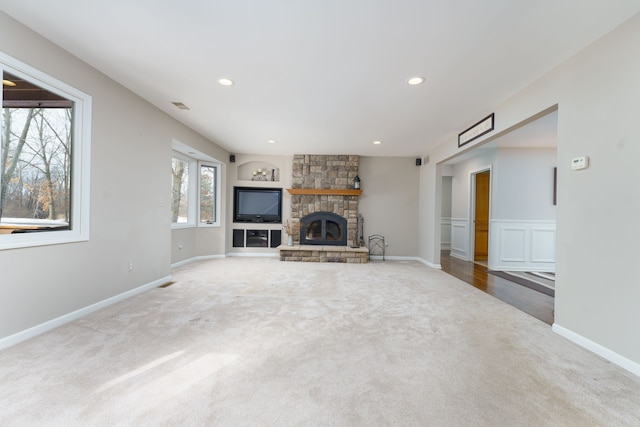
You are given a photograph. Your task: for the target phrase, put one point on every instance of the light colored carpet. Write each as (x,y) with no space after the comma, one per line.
(261,342)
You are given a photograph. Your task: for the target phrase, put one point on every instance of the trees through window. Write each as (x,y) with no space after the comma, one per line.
(189,206)
(208,178)
(43,181)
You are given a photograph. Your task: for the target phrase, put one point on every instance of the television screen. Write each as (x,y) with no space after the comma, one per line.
(257,204)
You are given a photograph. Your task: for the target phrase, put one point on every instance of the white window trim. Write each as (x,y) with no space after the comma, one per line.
(192,194)
(81,160)
(218,166)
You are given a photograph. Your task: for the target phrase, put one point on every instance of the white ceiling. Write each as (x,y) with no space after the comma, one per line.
(324,76)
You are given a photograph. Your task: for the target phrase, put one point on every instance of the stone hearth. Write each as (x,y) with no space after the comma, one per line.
(315,253)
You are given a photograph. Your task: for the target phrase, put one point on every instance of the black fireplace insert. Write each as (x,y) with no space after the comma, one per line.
(323,228)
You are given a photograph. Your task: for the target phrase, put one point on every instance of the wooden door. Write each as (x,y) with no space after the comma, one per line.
(481,219)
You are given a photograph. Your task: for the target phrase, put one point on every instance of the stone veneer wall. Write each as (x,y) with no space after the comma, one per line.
(310,253)
(325,172)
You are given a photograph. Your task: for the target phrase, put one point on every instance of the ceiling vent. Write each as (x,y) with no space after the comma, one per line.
(180,105)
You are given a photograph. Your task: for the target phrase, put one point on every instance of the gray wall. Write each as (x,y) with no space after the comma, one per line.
(130,191)
(597,300)
(389,202)
(598,294)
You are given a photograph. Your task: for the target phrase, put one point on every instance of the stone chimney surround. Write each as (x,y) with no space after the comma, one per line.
(325,172)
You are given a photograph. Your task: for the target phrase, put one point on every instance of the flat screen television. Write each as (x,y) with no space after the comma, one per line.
(251,204)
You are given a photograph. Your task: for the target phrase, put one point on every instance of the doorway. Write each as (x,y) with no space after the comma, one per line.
(481,209)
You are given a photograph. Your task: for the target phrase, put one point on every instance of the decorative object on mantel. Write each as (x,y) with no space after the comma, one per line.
(291,228)
(261,175)
(356,182)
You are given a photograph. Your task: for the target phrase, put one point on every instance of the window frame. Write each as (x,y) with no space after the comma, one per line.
(80,160)
(193,205)
(216,189)
(192,196)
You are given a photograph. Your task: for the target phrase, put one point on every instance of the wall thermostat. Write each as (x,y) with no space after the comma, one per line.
(580,163)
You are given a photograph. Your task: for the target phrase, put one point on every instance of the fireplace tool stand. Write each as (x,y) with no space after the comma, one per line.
(358,239)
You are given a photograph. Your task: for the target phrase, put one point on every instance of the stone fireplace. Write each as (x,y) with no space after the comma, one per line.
(324,205)
(318,172)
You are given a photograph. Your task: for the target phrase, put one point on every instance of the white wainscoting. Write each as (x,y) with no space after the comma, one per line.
(445,233)
(460,238)
(516,245)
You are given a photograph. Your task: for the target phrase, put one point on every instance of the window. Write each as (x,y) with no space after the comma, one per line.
(44,159)
(208,205)
(190,207)
(180,212)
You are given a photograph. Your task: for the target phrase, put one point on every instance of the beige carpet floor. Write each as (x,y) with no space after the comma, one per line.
(248,342)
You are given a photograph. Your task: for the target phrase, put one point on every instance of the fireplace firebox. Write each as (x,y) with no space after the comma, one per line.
(323,228)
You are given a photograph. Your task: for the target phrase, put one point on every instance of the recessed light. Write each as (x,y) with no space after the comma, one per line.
(377,142)
(225,82)
(413,81)
(271,141)
(8,83)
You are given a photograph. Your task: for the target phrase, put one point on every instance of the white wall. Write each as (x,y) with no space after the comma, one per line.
(130,200)
(461,221)
(597,300)
(524,184)
(461,184)
(389,202)
(445,213)
(523,217)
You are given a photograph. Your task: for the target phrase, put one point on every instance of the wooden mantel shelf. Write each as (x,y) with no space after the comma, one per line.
(324,192)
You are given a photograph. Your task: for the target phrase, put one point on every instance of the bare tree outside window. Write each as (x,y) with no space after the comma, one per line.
(207,194)
(35,156)
(179,191)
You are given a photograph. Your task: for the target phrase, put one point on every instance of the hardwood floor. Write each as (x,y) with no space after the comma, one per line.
(531,302)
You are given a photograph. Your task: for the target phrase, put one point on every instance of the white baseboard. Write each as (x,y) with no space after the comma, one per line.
(429,264)
(521,269)
(459,256)
(194,259)
(393,258)
(253,254)
(596,348)
(59,321)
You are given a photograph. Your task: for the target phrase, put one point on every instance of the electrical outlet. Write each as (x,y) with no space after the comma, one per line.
(130,266)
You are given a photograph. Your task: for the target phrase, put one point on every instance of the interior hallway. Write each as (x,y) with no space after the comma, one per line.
(531,302)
